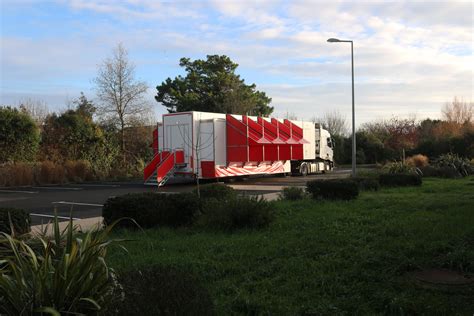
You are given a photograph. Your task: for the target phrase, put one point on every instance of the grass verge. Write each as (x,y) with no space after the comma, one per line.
(318,257)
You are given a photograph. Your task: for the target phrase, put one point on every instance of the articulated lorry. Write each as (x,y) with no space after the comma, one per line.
(212,145)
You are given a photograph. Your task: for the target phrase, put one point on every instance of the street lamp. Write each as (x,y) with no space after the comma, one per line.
(335,40)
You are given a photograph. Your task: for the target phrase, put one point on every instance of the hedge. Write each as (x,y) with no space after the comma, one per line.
(20,219)
(152,209)
(335,189)
(367,184)
(218,208)
(236,213)
(400,180)
(216,191)
(292,193)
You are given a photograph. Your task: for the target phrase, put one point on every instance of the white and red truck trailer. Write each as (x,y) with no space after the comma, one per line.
(213,145)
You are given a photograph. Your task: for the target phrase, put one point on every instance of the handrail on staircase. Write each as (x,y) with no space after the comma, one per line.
(151,167)
(165,167)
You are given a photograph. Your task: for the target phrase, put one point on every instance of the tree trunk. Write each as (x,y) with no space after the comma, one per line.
(122,139)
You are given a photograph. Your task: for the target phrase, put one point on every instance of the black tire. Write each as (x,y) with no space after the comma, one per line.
(304,169)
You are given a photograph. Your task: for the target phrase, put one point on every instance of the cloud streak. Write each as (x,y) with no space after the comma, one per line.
(409,56)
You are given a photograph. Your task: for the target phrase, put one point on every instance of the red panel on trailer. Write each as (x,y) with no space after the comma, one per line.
(284,152)
(208,169)
(270,132)
(284,149)
(154,145)
(237,141)
(257,141)
(296,132)
(297,152)
(179,156)
(256,153)
(296,140)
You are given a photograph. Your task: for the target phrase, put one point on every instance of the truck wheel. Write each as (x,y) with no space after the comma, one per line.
(304,169)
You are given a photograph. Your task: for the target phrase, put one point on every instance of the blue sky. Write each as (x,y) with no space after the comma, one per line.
(410,57)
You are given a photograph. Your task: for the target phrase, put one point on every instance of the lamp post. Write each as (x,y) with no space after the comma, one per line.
(335,40)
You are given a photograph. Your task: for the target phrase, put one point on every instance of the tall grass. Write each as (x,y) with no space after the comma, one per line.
(417,161)
(45,172)
(78,171)
(17,174)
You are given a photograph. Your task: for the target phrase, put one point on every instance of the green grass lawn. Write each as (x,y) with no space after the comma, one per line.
(329,257)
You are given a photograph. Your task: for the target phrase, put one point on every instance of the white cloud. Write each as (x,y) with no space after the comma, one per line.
(409,56)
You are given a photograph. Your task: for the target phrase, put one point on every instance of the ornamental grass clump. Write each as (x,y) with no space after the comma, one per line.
(454,161)
(398,167)
(417,161)
(58,274)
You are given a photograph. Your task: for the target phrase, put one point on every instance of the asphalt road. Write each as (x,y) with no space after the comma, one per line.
(86,200)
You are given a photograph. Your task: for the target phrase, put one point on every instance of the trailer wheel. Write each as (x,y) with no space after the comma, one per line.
(304,169)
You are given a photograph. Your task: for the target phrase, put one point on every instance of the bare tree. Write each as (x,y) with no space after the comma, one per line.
(122,97)
(334,122)
(458,111)
(291,116)
(38,110)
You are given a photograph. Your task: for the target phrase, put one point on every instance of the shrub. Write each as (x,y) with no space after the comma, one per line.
(399,167)
(62,274)
(161,290)
(417,161)
(335,189)
(216,191)
(400,180)
(19,219)
(367,184)
(152,209)
(292,193)
(19,136)
(239,212)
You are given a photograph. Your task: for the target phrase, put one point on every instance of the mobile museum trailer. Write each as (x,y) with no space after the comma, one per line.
(213,145)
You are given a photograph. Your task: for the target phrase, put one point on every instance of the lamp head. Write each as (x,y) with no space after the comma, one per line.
(333,40)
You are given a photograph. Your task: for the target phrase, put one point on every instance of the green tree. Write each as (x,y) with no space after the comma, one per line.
(213,86)
(84,106)
(72,134)
(19,136)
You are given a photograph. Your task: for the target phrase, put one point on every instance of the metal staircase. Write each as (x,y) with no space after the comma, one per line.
(160,169)
(152,180)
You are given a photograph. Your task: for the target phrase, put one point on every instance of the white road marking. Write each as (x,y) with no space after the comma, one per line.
(14,191)
(77,203)
(52,216)
(57,188)
(99,185)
